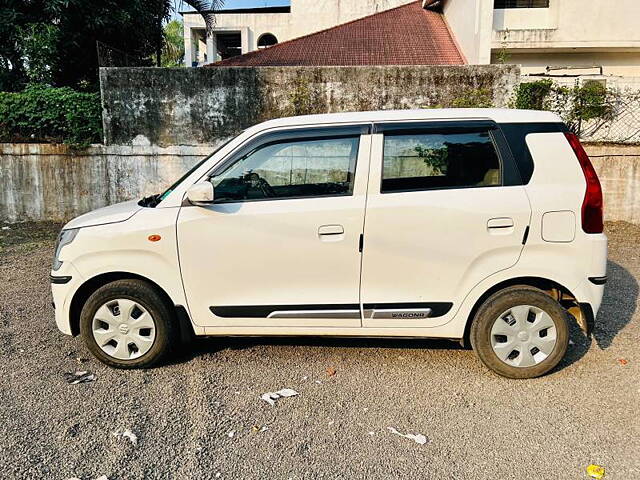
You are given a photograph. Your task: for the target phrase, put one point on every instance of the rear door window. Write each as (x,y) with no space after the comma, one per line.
(439,159)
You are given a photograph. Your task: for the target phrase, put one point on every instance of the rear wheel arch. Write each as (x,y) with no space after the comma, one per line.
(520,332)
(554,289)
(83,293)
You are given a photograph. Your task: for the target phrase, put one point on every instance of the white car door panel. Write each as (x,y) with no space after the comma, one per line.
(427,246)
(279,262)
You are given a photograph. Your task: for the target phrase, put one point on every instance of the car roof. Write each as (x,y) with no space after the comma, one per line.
(499,115)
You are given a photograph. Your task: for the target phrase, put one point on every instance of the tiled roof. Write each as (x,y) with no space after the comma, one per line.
(406,35)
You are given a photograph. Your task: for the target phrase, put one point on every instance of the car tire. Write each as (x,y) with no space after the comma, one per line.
(128,324)
(520,332)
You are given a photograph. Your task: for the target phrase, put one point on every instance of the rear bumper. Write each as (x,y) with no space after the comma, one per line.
(593,285)
(590,291)
(587,320)
(591,294)
(599,280)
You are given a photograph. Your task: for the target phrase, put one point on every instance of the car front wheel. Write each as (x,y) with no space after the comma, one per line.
(520,332)
(128,324)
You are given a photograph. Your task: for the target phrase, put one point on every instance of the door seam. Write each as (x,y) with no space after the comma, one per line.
(364,223)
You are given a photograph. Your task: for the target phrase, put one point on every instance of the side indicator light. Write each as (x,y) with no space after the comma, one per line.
(154,238)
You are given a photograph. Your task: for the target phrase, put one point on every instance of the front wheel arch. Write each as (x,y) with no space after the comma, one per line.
(83,293)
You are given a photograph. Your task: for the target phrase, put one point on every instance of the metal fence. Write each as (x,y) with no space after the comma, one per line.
(624,124)
(620,105)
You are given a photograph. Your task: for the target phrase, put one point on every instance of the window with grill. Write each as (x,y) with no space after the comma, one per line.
(521,4)
(267,40)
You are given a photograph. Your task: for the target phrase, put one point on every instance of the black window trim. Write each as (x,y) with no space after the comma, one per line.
(282,135)
(502,5)
(505,159)
(515,140)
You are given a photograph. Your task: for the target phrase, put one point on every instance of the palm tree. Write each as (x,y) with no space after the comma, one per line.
(173,48)
(167,8)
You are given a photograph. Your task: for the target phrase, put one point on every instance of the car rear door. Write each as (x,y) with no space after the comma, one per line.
(445,209)
(280,245)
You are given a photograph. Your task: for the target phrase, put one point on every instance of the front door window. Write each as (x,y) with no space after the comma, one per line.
(290,169)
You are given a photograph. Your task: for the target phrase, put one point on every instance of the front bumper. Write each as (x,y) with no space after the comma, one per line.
(59,280)
(64,284)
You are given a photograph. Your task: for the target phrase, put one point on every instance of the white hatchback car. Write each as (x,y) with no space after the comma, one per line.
(483,226)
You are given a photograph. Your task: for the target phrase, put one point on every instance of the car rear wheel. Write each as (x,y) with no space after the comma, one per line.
(520,332)
(128,324)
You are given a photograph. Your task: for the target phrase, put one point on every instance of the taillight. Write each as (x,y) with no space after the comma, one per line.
(592,203)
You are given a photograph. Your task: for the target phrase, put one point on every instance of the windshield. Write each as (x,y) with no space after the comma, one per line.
(168,191)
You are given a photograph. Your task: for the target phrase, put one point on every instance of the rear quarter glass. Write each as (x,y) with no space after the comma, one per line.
(515,135)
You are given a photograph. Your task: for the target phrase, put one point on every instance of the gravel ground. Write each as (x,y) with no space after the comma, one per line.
(478,425)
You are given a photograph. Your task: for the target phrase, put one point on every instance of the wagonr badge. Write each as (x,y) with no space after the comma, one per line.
(480,225)
(409,315)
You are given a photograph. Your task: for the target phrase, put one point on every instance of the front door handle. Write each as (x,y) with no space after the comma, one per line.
(331,230)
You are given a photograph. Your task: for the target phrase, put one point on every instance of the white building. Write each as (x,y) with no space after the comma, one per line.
(598,38)
(557,37)
(239,31)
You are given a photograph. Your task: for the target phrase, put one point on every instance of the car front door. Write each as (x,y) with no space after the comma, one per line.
(279,247)
(445,210)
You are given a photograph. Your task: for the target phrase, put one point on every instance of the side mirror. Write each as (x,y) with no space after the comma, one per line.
(200,193)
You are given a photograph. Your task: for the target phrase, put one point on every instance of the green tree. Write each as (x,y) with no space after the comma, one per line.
(38,44)
(12,73)
(167,8)
(55,40)
(173,48)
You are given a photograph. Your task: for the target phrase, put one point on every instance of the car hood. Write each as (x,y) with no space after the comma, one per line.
(111,214)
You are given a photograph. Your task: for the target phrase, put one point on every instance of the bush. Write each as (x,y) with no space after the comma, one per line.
(46,114)
(473,98)
(533,95)
(576,104)
(593,101)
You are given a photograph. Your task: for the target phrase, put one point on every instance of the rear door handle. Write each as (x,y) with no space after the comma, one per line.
(502,222)
(330,230)
(500,226)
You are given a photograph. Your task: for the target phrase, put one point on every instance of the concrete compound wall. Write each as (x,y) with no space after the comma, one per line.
(159,122)
(193,106)
(618,168)
(52,182)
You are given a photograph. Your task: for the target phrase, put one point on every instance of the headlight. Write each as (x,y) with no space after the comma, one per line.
(65,238)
